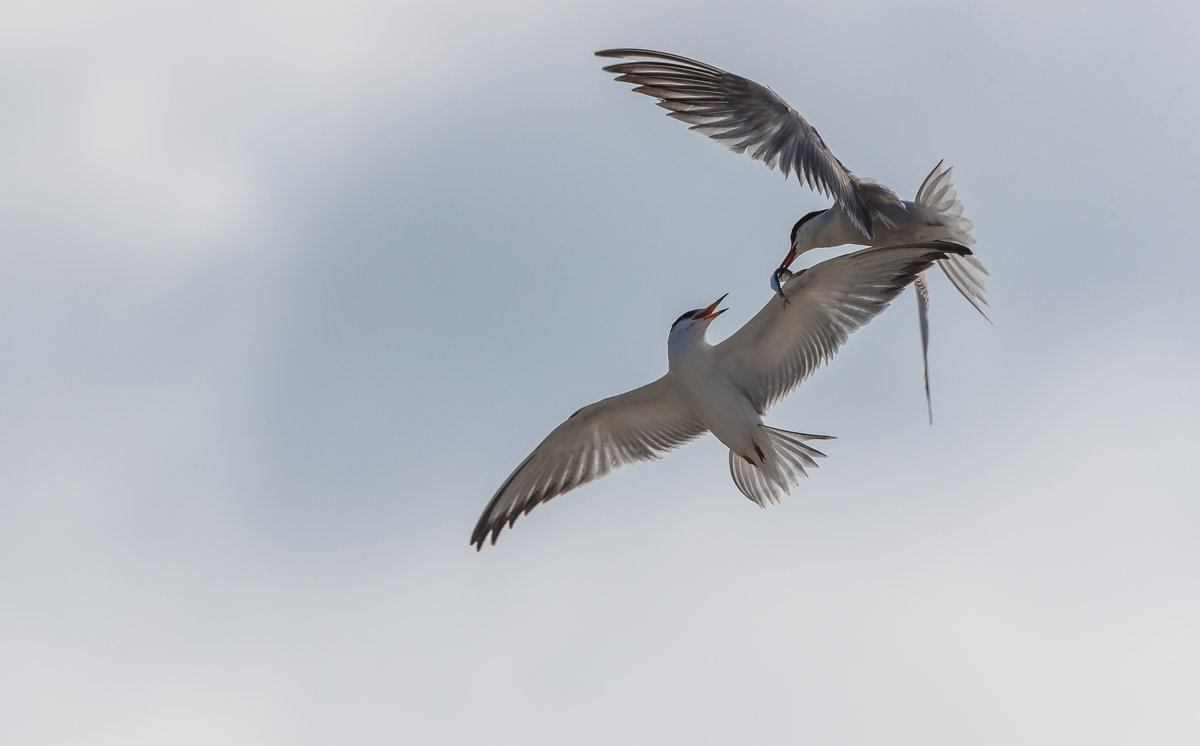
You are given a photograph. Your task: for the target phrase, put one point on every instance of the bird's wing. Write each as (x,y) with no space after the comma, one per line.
(785,342)
(639,425)
(750,118)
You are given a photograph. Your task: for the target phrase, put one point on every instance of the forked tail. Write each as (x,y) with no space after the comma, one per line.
(937,195)
(783,462)
(923,316)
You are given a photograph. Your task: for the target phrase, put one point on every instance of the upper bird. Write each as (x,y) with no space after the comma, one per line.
(750,118)
(726,389)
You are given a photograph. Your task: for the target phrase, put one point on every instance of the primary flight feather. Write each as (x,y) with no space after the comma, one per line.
(725,389)
(750,118)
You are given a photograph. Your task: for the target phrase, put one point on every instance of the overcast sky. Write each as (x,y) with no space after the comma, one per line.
(289,289)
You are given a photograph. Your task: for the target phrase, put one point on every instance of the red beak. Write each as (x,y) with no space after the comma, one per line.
(791,257)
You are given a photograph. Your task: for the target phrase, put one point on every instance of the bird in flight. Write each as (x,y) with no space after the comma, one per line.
(725,389)
(748,117)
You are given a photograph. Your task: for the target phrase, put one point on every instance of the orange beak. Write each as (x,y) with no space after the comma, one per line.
(791,257)
(709,313)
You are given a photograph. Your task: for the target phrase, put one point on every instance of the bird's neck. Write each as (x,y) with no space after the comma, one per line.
(831,228)
(687,353)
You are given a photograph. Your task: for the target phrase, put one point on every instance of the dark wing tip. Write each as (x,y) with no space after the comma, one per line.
(493,523)
(651,54)
(485,531)
(480,535)
(939,246)
(490,526)
(951,247)
(623,52)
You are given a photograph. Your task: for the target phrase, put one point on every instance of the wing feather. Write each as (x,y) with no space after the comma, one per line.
(749,118)
(639,425)
(785,342)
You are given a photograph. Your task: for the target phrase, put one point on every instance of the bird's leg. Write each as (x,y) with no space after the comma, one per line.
(761,456)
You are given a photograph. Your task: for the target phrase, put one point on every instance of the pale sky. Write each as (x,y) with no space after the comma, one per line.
(289,289)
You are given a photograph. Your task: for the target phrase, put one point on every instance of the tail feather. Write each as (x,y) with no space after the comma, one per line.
(938,195)
(923,316)
(785,457)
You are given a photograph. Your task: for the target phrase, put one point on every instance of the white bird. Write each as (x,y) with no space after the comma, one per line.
(726,389)
(750,118)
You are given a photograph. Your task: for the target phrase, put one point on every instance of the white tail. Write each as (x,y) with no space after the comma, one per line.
(937,195)
(784,457)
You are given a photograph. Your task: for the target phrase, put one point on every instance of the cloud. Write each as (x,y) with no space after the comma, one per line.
(289,290)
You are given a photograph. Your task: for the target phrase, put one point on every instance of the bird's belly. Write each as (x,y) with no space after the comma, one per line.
(728,415)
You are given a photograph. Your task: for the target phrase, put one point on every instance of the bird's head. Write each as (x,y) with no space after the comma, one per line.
(693,323)
(800,240)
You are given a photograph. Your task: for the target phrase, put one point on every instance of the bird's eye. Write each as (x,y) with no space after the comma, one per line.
(802,221)
(684,317)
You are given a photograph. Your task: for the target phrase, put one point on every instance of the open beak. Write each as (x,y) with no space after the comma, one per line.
(709,313)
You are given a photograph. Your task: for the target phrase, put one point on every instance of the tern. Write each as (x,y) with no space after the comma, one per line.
(724,389)
(748,117)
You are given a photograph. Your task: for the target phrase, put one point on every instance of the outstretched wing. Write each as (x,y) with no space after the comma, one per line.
(639,425)
(785,342)
(750,118)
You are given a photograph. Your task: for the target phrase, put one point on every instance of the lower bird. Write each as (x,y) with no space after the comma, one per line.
(724,389)
(750,118)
